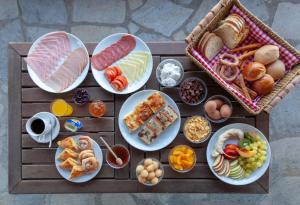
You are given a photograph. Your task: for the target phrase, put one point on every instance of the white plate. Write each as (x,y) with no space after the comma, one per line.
(245,128)
(66,174)
(140,46)
(164,139)
(75,43)
(54,131)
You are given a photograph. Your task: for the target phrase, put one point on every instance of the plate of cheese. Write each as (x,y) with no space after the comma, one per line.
(121,63)
(149,120)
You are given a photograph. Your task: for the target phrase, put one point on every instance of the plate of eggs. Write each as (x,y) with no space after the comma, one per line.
(149,172)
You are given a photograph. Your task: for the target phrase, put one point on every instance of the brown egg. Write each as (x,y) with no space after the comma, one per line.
(210,106)
(225,111)
(215,115)
(219,103)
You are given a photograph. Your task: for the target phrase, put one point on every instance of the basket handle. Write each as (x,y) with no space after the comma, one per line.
(283,93)
(206,20)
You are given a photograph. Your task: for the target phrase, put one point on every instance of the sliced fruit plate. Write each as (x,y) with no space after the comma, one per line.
(238,154)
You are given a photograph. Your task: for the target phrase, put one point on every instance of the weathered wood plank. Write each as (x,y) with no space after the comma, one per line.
(41,156)
(14,110)
(200,171)
(28,142)
(30,109)
(103,124)
(46,171)
(64,186)
(39,95)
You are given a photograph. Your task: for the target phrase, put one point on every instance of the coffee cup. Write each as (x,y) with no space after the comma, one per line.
(38,125)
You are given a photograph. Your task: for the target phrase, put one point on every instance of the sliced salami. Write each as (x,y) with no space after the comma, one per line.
(113,53)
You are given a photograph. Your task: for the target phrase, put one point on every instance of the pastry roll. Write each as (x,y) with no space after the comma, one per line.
(67,153)
(90,164)
(77,171)
(86,154)
(85,142)
(68,142)
(69,164)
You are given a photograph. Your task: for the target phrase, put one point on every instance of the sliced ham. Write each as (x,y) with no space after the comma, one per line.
(113,53)
(48,54)
(69,71)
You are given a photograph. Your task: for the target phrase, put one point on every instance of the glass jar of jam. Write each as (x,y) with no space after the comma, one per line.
(97,108)
(121,152)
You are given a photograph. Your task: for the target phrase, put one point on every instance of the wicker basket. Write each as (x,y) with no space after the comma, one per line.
(219,12)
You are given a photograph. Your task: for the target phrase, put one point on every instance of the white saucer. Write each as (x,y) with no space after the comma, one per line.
(54,130)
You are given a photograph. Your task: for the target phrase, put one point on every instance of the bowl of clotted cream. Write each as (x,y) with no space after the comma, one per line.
(169,73)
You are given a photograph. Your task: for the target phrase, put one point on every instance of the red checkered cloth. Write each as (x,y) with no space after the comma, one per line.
(255,35)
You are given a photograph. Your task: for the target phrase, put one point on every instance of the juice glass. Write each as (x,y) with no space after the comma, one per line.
(60,108)
(97,108)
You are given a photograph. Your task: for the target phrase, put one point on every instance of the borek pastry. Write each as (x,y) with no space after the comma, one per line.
(68,142)
(69,164)
(67,153)
(90,164)
(85,143)
(85,154)
(77,171)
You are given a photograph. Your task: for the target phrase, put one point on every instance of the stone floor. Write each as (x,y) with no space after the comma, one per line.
(153,20)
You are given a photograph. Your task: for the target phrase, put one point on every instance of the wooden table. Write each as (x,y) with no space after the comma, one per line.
(31,165)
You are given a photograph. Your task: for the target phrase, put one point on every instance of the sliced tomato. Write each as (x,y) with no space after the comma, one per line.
(117,70)
(117,85)
(109,75)
(123,79)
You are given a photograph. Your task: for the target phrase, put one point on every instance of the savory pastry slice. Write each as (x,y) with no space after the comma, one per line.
(85,143)
(67,153)
(156,102)
(147,134)
(85,154)
(68,142)
(90,164)
(151,131)
(143,112)
(131,121)
(77,171)
(167,116)
(69,164)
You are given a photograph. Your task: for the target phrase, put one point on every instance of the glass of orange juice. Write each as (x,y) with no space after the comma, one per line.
(60,107)
(97,108)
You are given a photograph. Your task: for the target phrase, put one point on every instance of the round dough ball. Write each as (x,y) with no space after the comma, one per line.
(141,179)
(210,106)
(276,69)
(150,176)
(225,111)
(147,162)
(215,115)
(154,180)
(158,173)
(156,165)
(139,168)
(150,168)
(144,173)
(219,103)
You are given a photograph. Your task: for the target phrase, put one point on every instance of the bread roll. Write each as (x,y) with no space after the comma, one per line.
(276,69)
(264,85)
(267,54)
(254,71)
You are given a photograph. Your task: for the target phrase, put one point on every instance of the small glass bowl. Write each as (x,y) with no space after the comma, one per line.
(114,148)
(80,91)
(160,66)
(160,166)
(225,100)
(186,170)
(204,90)
(203,139)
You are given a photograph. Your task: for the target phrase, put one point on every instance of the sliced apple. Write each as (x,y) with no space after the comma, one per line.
(227,156)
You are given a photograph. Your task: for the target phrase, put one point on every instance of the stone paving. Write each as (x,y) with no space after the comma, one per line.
(153,20)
